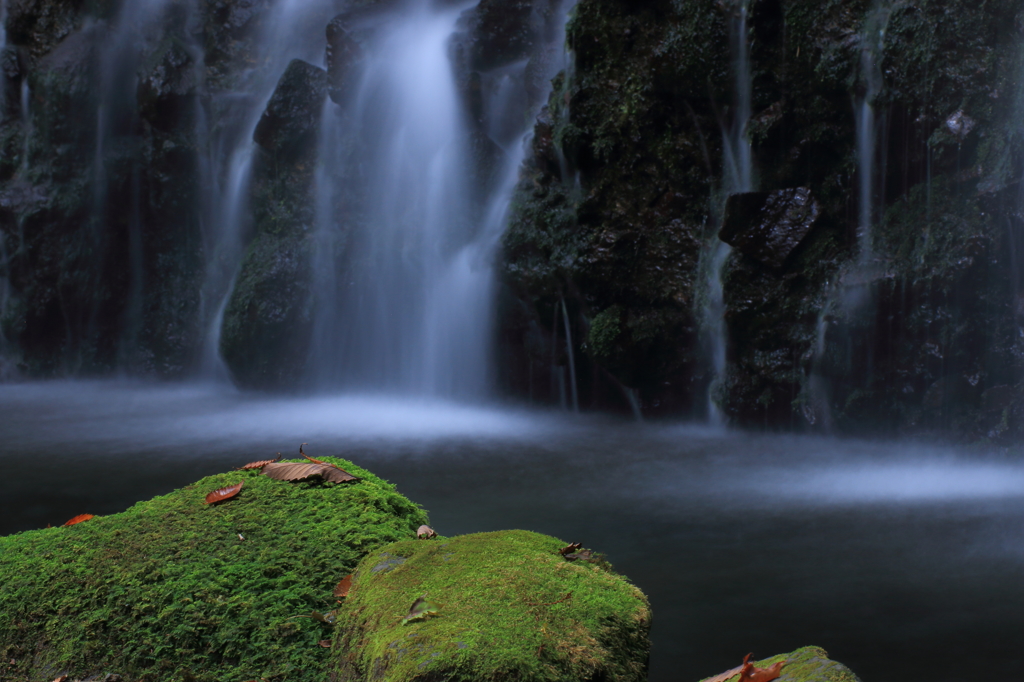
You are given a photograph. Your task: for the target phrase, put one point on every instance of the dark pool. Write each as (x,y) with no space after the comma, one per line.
(905,562)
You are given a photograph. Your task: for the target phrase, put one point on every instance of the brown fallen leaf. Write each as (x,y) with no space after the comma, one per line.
(62,678)
(325,643)
(748,672)
(425,532)
(260,464)
(569,549)
(751,673)
(343,587)
(222,494)
(311,459)
(79,519)
(297,471)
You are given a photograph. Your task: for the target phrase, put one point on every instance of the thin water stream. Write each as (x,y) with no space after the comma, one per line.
(902,560)
(738,176)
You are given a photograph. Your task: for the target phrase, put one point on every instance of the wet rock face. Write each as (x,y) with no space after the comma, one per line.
(40,24)
(290,122)
(768,226)
(228,28)
(611,212)
(343,57)
(500,32)
(167,88)
(267,325)
(639,127)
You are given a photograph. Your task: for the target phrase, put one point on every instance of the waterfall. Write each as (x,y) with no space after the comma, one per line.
(116,122)
(738,177)
(5,285)
(851,297)
(408,221)
(228,154)
(872,44)
(572,360)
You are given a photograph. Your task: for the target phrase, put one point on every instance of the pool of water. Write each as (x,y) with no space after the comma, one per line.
(903,561)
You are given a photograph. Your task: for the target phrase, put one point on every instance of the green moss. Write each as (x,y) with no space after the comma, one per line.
(604,333)
(511,608)
(169,586)
(808,664)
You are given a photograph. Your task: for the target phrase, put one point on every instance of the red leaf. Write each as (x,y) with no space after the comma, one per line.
(222,494)
(260,464)
(79,519)
(325,643)
(297,471)
(343,587)
(752,673)
(748,672)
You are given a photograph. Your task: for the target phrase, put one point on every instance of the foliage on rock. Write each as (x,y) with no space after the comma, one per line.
(168,587)
(502,612)
(807,664)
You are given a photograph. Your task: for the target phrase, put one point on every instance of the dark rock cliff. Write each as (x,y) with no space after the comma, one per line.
(624,195)
(607,268)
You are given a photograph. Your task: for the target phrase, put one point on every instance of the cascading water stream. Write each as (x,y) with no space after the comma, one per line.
(117,121)
(229,151)
(852,296)
(738,177)
(872,43)
(415,211)
(5,287)
(405,291)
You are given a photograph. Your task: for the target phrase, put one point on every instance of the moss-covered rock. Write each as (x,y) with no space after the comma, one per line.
(509,607)
(174,587)
(241,589)
(807,664)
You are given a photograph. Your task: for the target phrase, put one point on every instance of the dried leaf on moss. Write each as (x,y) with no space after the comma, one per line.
(298,471)
(421,608)
(751,673)
(343,587)
(325,643)
(222,494)
(260,464)
(748,672)
(425,532)
(569,549)
(79,519)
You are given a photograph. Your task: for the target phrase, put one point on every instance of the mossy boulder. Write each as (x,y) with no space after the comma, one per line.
(174,587)
(807,664)
(510,607)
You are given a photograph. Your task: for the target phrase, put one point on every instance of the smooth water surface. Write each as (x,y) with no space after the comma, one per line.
(905,562)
